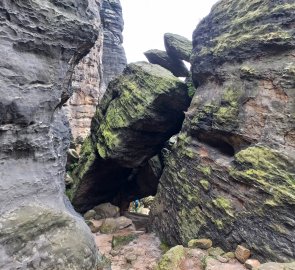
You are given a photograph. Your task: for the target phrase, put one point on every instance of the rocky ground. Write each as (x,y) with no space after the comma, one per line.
(126,245)
(141,253)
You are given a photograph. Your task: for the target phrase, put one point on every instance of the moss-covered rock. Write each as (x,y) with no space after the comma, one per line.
(146,112)
(172,258)
(139,112)
(122,240)
(200,243)
(239,35)
(230,174)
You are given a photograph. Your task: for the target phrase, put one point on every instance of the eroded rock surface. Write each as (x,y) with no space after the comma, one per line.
(41,42)
(230,176)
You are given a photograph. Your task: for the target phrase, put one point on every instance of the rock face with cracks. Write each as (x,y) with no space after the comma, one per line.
(42,42)
(230,175)
(140,110)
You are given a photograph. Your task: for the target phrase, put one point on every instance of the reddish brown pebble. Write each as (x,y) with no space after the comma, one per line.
(242,254)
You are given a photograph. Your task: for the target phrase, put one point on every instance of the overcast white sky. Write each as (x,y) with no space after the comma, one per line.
(146,21)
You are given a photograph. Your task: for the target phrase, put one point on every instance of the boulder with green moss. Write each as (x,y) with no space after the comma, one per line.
(230,176)
(172,258)
(121,240)
(140,111)
(146,109)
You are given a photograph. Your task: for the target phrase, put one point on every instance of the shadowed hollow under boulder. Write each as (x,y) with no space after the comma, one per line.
(140,111)
(230,176)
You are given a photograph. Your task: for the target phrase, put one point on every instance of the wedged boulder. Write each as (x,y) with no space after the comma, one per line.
(175,65)
(172,258)
(178,46)
(147,108)
(140,111)
(230,175)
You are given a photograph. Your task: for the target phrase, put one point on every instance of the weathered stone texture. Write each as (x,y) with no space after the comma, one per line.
(40,44)
(230,176)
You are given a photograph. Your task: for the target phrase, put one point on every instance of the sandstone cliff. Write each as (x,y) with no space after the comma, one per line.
(230,175)
(105,61)
(40,42)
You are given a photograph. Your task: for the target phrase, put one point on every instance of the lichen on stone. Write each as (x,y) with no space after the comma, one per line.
(268,170)
(138,89)
(172,258)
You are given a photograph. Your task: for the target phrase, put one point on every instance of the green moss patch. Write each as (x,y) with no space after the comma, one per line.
(269,171)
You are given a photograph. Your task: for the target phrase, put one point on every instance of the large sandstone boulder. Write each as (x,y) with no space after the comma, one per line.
(40,44)
(178,46)
(139,112)
(230,176)
(144,108)
(173,64)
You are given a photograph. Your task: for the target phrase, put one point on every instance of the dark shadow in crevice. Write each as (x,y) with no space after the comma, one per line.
(225,143)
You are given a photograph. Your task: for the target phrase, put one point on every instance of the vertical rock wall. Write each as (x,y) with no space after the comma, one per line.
(40,44)
(231,175)
(105,61)
(86,81)
(113,58)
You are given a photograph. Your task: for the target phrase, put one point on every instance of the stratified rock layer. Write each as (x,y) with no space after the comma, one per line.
(231,176)
(140,110)
(40,44)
